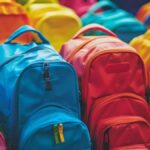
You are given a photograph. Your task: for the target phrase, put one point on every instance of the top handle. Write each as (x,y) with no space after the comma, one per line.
(94,27)
(23,30)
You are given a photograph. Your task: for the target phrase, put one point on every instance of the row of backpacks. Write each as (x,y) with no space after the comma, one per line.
(40,96)
(55,20)
(46,17)
(41,103)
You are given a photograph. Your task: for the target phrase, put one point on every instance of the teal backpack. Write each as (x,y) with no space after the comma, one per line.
(39,104)
(119,21)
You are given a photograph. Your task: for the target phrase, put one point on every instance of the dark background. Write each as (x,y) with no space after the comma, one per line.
(131,5)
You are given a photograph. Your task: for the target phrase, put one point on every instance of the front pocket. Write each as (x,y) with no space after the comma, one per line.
(55,131)
(124,104)
(46,84)
(118,131)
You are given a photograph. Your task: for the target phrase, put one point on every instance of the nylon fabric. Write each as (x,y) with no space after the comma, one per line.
(48,18)
(112,17)
(114,102)
(12,16)
(35,73)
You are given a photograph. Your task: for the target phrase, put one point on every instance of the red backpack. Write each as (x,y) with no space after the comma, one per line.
(113,81)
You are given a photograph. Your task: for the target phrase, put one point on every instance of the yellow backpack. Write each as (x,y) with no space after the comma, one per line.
(142,45)
(56,22)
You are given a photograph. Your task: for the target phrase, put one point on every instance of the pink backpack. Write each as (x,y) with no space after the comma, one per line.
(2,142)
(80,6)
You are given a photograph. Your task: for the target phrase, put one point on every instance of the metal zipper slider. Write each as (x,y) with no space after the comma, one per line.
(46,77)
(61,132)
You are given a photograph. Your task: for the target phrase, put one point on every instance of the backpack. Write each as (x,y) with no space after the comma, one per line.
(144,14)
(54,21)
(142,45)
(80,6)
(117,20)
(113,81)
(12,16)
(37,109)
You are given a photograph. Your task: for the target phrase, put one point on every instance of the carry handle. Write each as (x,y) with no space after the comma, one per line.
(102,5)
(94,27)
(23,30)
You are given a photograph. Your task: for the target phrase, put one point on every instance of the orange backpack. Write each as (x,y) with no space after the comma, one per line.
(12,16)
(144,12)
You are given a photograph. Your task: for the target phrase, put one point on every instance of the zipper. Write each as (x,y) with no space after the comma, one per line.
(46,76)
(102,42)
(74,51)
(111,122)
(86,70)
(93,41)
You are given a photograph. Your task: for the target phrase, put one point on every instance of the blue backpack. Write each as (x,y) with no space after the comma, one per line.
(119,21)
(39,104)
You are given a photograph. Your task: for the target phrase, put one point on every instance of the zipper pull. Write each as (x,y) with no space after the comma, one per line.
(55,131)
(61,132)
(46,77)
